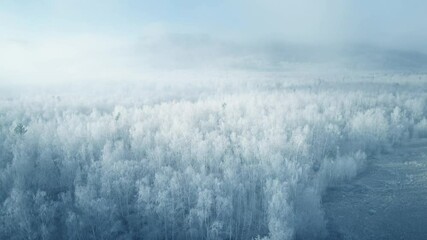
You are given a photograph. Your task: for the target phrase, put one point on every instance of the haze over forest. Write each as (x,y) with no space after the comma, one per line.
(228,119)
(48,41)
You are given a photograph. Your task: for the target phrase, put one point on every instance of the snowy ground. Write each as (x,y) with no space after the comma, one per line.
(387,201)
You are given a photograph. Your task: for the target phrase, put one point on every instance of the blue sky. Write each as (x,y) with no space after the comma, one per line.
(119,17)
(43,39)
(287,19)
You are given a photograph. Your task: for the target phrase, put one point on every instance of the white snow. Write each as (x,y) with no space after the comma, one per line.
(200,162)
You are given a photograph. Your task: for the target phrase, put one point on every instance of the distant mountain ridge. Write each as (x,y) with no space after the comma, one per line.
(359,57)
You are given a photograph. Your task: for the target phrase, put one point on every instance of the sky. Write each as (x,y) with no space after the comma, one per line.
(52,41)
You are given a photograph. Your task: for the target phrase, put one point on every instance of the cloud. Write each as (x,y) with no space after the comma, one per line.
(56,59)
(63,41)
(106,58)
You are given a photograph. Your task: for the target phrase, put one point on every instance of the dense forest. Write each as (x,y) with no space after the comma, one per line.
(245,165)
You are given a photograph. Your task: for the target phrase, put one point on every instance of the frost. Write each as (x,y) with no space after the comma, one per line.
(245,165)
(20,129)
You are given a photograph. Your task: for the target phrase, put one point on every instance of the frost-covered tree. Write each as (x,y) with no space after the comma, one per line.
(246,165)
